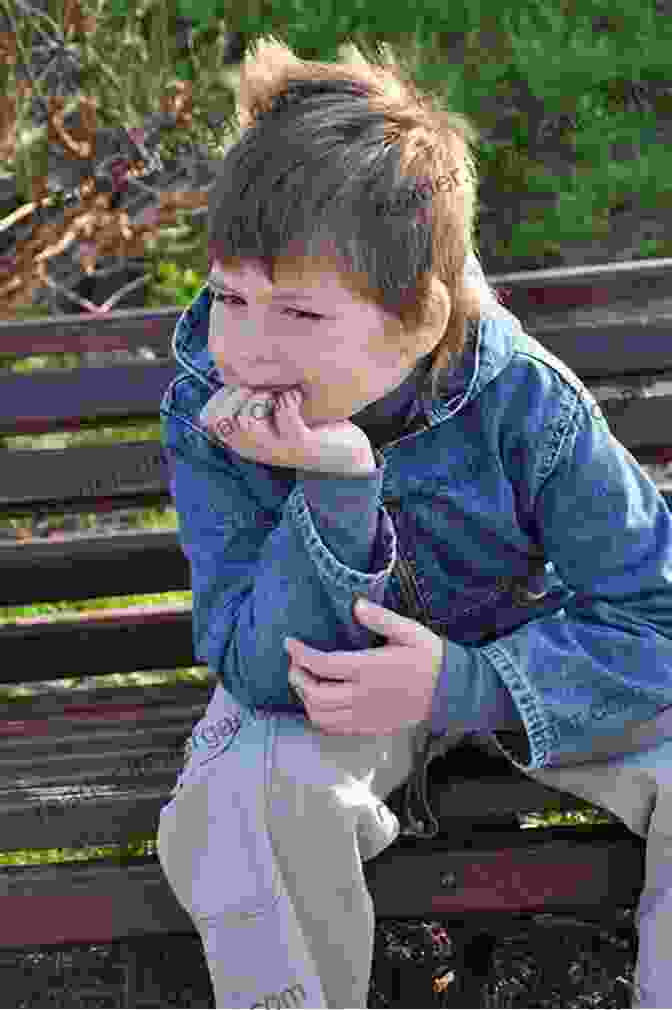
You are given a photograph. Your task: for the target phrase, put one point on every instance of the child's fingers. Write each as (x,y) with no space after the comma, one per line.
(224,405)
(256,415)
(286,411)
(276,417)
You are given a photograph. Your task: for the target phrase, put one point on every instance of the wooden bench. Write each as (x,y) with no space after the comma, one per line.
(93,766)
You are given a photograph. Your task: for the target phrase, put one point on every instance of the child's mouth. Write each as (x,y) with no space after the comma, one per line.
(270,389)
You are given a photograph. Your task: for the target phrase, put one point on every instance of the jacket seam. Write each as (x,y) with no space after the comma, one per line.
(539,732)
(538,728)
(559,444)
(325,562)
(539,359)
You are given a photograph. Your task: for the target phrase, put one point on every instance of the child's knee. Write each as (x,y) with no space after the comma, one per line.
(213,838)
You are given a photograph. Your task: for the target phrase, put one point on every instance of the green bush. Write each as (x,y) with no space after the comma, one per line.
(174,285)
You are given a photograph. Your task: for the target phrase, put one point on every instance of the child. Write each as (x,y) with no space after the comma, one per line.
(356,415)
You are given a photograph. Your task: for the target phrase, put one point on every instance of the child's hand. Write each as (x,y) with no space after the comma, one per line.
(269,428)
(370,691)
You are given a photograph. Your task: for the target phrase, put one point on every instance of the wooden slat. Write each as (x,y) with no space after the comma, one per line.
(641,422)
(84,477)
(119,330)
(498,796)
(92,767)
(60,738)
(95,720)
(98,817)
(119,641)
(609,343)
(93,902)
(105,902)
(550,871)
(619,274)
(119,475)
(545,299)
(42,401)
(81,568)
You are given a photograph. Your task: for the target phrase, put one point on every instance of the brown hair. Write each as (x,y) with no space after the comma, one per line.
(350,156)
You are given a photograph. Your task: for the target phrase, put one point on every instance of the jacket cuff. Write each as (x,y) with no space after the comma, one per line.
(334,501)
(470,696)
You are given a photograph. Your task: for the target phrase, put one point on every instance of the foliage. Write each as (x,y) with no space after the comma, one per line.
(551,818)
(144,96)
(175,286)
(96,128)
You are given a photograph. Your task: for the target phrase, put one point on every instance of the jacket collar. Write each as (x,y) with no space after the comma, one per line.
(488,350)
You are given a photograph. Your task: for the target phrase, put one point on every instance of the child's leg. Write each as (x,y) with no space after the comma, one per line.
(326,816)
(637,788)
(215,851)
(653,975)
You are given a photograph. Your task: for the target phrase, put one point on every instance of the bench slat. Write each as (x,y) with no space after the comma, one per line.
(119,330)
(86,903)
(98,643)
(87,567)
(624,275)
(521,871)
(46,821)
(96,737)
(101,477)
(640,422)
(41,401)
(37,743)
(92,767)
(75,478)
(105,902)
(611,343)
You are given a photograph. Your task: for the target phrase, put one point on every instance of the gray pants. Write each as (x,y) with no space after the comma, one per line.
(270,821)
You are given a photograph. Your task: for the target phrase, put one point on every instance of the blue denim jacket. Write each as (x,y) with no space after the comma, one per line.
(512,522)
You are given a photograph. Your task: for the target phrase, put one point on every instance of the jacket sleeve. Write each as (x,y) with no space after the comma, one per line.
(583,678)
(260,573)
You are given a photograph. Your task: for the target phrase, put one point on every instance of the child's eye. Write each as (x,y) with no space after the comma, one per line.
(220,296)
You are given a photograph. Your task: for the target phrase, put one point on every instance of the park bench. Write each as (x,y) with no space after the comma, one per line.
(93,766)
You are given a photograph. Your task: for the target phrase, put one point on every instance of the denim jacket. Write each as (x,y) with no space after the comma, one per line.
(512,523)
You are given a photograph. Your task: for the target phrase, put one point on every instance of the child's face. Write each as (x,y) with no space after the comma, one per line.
(260,335)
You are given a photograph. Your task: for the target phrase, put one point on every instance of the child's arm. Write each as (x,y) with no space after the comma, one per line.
(264,562)
(589,675)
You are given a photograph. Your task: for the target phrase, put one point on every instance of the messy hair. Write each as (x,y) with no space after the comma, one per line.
(351,157)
